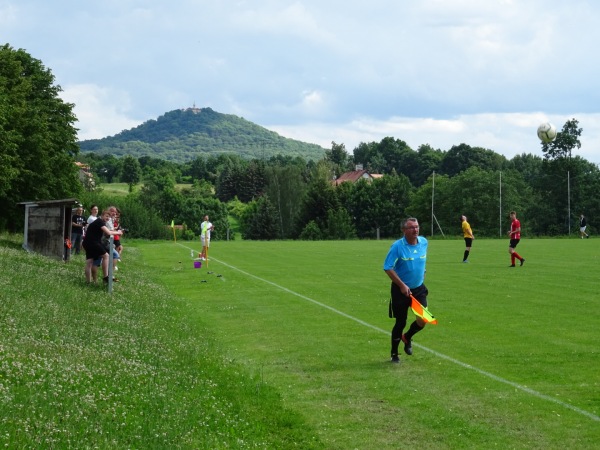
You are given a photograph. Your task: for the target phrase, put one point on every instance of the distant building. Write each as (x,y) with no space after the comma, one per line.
(358,174)
(85,176)
(193,109)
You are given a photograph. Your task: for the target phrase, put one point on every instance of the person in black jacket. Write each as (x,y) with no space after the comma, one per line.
(77,228)
(582,226)
(94,248)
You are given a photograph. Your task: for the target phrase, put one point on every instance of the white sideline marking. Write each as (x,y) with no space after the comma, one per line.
(439,355)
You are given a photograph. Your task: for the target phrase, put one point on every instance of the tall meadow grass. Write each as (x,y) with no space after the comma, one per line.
(80,368)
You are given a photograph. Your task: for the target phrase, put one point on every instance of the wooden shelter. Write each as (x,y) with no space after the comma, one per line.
(47,225)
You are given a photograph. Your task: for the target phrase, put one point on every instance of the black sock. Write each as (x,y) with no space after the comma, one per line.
(466,255)
(414,329)
(395,344)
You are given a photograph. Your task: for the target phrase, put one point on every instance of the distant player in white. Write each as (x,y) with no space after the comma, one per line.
(205,228)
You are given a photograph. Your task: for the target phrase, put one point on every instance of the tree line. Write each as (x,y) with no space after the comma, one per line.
(290,198)
(286,197)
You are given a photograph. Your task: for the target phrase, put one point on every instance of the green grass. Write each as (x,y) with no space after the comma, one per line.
(234,228)
(512,363)
(117,188)
(123,188)
(286,345)
(80,368)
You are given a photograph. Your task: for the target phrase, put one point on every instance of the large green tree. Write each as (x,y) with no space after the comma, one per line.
(131,172)
(285,188)
(565,142)
(485,197)
(260,220)
(339,158)
(461,157)
(242,179)
(193,210)
(159,194)
(319,199)
(38,140)
(560,187)
(377,206)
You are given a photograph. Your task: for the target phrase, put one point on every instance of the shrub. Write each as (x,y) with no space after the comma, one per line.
(311,232)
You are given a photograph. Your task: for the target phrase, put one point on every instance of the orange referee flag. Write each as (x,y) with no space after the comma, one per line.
(422,311)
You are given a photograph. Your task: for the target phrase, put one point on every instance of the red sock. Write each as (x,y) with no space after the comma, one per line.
(512,259)
(516,255)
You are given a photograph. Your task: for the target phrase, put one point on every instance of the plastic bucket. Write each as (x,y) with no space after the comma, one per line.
(197,264)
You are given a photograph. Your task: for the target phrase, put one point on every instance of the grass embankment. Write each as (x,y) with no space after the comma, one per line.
(83,369)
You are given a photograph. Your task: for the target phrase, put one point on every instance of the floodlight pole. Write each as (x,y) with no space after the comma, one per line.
(569,200)
(432,199)
(500,208)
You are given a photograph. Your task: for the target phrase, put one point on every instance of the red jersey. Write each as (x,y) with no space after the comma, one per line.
(515,225)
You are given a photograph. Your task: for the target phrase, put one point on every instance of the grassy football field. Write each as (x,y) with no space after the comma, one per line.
(513,362)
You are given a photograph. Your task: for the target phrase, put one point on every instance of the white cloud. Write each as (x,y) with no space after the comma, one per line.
(431,71)
(98,114)
(506,134)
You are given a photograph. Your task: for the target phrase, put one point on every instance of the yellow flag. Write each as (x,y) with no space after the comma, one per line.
(422,311)
(173,223)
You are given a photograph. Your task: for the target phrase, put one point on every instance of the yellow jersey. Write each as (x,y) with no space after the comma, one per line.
(466,229)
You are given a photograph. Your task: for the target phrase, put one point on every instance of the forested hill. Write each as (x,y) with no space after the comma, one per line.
(183,135)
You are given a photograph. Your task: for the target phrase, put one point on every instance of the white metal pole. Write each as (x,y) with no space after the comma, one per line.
(500,209)
(111,247)
(569,199)
(432,199)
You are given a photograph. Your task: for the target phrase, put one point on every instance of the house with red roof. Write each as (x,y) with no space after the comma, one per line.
(355,175)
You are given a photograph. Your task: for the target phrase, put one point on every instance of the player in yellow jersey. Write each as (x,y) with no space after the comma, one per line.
(468,235)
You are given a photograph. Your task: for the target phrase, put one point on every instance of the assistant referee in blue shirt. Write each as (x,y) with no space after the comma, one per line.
(405,265)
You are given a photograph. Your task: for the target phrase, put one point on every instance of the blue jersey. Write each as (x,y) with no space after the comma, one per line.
(408,261)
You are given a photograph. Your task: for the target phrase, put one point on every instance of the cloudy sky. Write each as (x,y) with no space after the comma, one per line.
(437,72)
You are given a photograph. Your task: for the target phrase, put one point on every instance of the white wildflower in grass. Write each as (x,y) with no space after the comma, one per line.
(80,368)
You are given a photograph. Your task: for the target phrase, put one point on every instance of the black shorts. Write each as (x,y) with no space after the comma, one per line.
(399,303)
(468,242)
(93,250)
(514,242)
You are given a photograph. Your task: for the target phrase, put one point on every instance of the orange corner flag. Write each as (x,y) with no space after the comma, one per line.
(422,311)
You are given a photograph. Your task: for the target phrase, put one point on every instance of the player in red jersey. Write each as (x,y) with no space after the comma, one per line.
(515,236)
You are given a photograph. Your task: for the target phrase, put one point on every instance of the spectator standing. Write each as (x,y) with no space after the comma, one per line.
(117,226)
(94,248)
(93,214)
(78,224)
(110,224)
